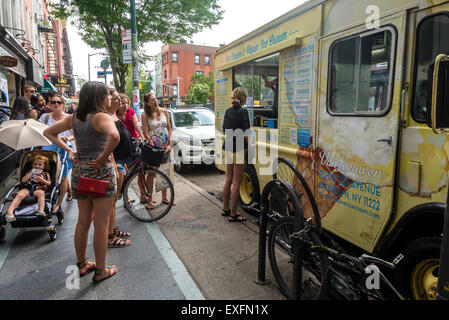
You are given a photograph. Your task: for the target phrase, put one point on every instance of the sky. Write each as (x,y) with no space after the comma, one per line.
(240,17)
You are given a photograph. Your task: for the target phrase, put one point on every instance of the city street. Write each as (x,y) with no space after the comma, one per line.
(193,253)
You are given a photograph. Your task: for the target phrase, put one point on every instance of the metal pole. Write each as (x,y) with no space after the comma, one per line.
(178,102)
(88,64)
(105,81)
(135,70)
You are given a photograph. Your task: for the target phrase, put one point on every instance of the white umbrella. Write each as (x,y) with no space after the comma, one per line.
(22,134)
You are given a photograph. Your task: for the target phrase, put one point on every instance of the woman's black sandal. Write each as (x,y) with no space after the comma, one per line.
(81,265)
(99,272)
(121,234)
(236,218)
(226,213)
(118,242)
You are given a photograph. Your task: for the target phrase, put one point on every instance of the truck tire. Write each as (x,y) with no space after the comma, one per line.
(249,187)
(416,275)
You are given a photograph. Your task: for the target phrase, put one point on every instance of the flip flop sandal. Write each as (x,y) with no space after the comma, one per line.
(237,218)
(41,213)
(83,264)
(226,213)
(167,203)
(10,218)
(99,272)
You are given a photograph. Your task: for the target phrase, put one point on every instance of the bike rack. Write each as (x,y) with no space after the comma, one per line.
(296,243)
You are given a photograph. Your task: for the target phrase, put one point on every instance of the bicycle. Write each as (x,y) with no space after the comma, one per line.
(137,182)
(330,271)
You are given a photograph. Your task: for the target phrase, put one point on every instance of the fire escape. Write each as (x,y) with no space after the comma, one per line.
(47,33)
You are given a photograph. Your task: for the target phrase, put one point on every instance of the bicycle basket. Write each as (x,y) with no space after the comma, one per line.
(151,155)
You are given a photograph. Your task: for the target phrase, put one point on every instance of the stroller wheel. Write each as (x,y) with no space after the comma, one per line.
(52,235)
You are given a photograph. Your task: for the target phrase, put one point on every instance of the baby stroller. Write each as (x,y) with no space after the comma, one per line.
(25,212)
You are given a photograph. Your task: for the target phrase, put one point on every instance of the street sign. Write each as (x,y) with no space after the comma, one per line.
(100,74)
(127,46)
(104,64)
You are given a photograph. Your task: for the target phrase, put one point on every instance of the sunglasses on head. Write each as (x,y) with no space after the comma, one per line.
(55,102)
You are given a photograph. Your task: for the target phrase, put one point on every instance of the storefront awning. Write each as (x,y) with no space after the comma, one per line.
(48,86)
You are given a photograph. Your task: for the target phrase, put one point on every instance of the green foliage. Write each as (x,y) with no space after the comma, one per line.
(146,85)
(196,92)
(100,22)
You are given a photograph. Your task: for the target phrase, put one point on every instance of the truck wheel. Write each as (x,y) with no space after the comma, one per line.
(416,275)
(249,187)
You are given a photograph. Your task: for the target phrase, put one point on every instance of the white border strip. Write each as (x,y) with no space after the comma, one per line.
(185,282)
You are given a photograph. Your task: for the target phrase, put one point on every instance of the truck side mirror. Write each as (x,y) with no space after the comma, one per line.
(439,94)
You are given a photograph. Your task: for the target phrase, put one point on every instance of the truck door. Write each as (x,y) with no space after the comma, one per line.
(358,119)
(423,163)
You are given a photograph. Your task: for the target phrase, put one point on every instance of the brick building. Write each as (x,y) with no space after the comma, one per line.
(182,61)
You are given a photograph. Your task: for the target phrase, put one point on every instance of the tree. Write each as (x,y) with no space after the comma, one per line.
(196,79)
(100,24)
(198,93)
(146,84)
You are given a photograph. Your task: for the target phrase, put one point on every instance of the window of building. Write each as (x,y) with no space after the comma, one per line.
(260,80)
(207,60)
(360,77)
(165,74)
(431,40)
(175,89)
(197,59)
(174,57)
(199,72)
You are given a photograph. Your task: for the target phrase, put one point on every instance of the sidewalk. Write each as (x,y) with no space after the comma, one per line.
(193,253)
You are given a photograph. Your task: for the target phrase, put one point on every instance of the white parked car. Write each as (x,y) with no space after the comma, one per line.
(193,136)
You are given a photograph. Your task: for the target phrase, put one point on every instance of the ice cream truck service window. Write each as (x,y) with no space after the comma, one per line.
(361,73)
(260,80)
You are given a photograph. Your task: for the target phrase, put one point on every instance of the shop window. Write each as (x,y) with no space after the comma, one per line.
(260,80)
(432,40)
(360,77)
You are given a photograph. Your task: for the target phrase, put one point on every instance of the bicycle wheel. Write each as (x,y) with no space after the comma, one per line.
(285,170)
(315,264)
(155,184)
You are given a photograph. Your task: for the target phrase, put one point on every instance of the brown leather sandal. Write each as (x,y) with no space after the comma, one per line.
(99,272)
(82,265)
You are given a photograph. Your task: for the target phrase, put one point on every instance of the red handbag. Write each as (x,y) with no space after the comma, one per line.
(92,187)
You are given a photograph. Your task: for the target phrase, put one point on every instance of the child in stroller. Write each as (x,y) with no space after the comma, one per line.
(34,182)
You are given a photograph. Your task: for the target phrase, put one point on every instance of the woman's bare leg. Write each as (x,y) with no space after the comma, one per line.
(236,179)
(102,209)
(85,208)
(227,186)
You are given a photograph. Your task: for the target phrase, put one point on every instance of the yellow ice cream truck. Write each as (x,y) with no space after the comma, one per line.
(343,89)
